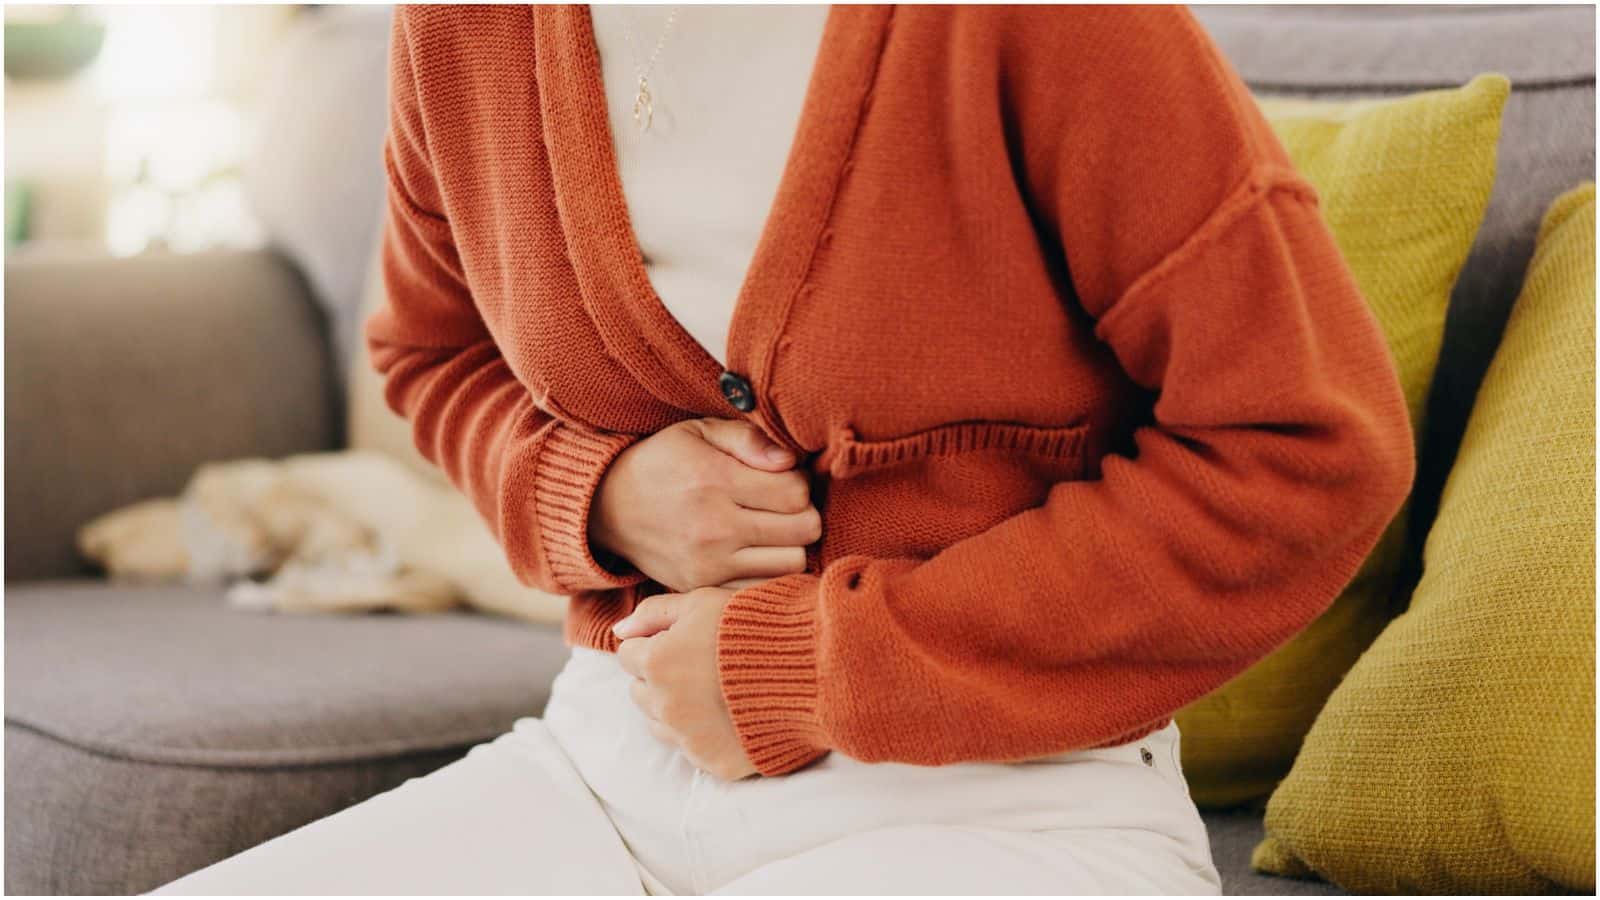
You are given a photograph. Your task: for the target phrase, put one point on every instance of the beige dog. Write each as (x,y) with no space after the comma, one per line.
(325,532)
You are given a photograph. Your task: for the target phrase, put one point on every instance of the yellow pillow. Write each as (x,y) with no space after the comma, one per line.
(1458,755)
(1404,184)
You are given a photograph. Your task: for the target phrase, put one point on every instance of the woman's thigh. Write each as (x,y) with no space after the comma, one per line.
(952,860)
(511,817)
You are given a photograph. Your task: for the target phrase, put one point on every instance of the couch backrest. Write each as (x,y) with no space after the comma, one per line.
(1546,145)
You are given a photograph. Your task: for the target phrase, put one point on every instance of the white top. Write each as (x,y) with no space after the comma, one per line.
(727,87)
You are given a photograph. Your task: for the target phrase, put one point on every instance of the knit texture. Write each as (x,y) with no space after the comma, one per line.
(1404,185)
(1458,755)
(1095,412)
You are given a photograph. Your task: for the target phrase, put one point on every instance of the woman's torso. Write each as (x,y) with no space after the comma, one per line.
(907,318)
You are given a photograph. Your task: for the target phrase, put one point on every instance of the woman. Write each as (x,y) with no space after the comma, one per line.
(919,405)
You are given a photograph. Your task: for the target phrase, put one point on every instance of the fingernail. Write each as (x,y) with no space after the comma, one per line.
(778,455)
(621,626)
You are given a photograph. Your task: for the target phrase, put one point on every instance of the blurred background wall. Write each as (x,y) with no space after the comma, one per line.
(153,129)
(125,126)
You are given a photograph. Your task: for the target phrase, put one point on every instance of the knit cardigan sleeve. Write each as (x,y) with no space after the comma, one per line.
(1278,450)
(530,476)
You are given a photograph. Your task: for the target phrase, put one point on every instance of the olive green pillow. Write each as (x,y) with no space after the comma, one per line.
(1458,755)
(1403,185)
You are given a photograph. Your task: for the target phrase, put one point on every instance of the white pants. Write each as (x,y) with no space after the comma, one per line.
(587,801)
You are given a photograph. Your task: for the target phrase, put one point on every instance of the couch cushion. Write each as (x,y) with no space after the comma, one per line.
(1234,833)
(82,823)
(1546,146)
(151,731)
(171,675)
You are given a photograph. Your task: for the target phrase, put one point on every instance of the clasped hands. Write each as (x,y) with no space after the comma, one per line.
(703,507)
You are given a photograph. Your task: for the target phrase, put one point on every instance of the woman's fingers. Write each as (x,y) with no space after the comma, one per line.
(663,733)
(654,614)
(744,442)
(631,655)
(739,584)
(759,528)
(644,698)
(780,492)
(770,562)
(649,703)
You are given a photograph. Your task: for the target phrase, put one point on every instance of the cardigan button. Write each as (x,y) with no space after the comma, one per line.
(737,391)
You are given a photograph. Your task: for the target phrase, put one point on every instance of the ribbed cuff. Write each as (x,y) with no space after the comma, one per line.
(565,477)
(590,615)
(767,660)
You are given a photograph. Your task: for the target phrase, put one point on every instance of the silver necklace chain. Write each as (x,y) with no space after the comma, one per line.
(643,103)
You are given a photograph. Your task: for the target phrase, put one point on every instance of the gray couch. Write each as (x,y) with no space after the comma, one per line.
(150,731)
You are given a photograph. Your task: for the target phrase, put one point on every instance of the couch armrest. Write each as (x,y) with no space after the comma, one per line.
(122,375)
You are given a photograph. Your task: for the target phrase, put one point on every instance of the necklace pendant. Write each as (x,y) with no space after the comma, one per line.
(643,109)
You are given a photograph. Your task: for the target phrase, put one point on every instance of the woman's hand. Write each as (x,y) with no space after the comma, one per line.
(706,502)
(676,682)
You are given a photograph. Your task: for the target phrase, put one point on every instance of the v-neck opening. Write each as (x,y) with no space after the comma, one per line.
(636,325)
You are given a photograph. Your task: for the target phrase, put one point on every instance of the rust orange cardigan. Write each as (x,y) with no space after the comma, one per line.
(1095,413)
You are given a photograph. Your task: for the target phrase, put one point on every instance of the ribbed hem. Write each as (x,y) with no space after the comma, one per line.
(566,475)
(767,659)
